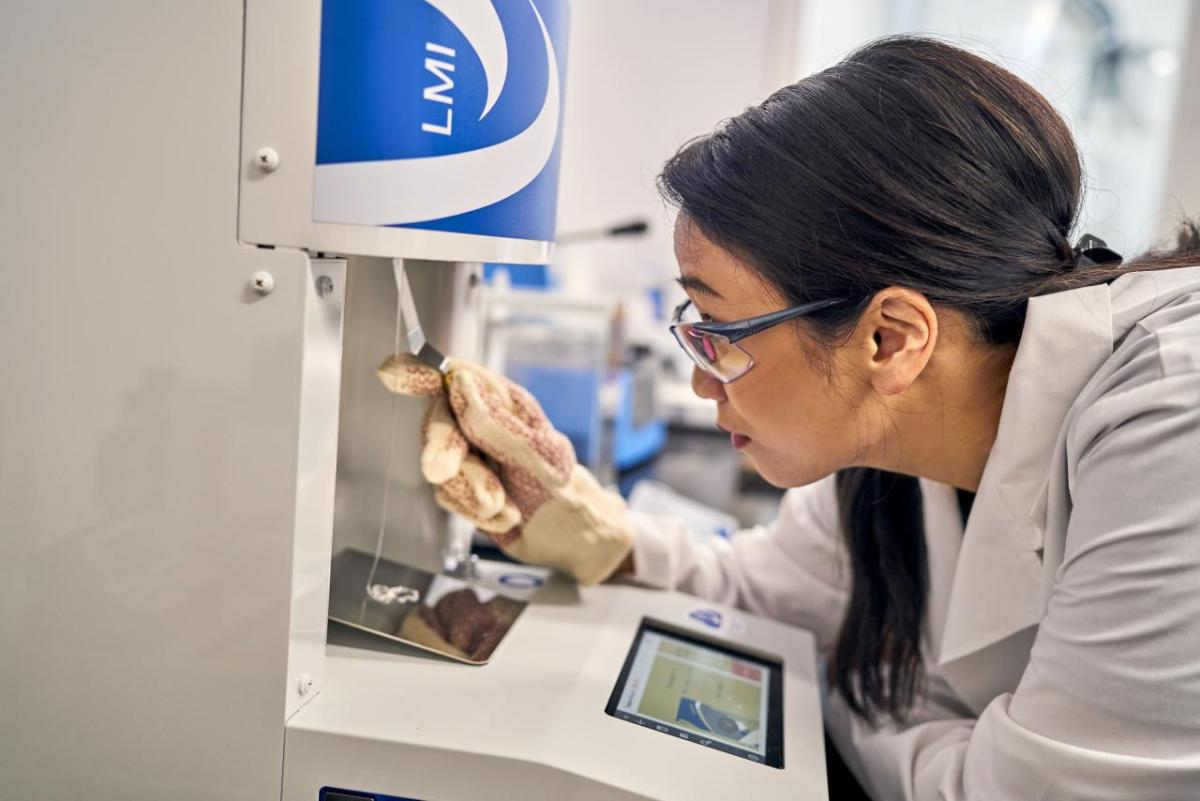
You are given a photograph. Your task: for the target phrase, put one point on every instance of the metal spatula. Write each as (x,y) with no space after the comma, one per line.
(411,323)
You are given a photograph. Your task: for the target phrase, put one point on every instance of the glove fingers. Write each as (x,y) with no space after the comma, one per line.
(501,527)
(485,415)
(560,453)
(524,489)
(404,374)
(525,407)
(482,409)
(474,492)
(476,396)
(445,447)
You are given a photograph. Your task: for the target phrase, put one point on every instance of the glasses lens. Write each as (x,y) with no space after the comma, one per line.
(713,353)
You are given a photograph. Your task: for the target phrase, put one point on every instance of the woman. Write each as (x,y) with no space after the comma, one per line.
(887,310)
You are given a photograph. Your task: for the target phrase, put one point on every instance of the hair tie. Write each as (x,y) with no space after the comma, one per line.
(1091,250)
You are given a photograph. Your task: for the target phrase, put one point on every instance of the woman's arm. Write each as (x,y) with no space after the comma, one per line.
(792,570)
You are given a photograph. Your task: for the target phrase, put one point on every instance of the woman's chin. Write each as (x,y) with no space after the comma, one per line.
(773,474)
(784,476)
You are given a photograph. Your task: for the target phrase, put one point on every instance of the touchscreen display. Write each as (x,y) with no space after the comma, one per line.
(702,692)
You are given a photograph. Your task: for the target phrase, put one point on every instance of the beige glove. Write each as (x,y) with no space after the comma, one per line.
(494,458)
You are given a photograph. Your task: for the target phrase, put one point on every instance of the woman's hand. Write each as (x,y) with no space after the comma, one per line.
(494,458)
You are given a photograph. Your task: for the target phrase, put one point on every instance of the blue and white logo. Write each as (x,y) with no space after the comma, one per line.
(441,115)
(522,581)
(709,617)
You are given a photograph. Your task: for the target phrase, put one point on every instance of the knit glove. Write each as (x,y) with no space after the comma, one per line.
(494,458)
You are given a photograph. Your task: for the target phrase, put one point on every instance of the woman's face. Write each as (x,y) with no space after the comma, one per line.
(796,420)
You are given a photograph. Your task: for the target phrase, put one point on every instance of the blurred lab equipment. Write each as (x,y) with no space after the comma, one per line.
(573,353)
(660,500)
(557,348)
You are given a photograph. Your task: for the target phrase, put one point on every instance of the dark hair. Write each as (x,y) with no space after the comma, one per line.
(911,163)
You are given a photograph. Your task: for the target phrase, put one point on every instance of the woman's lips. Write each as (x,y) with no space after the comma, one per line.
(738,441)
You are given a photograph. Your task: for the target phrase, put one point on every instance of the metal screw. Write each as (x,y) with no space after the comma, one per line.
(262,282)
(266,159)
(305,685)
(324,286)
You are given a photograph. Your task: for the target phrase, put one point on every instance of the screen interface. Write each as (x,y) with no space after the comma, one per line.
(705,693)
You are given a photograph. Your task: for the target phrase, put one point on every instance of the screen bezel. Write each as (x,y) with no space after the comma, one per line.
(774,666)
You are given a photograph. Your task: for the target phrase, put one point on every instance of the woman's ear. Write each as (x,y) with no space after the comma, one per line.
(896,335)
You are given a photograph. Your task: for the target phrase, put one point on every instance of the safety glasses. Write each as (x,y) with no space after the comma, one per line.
(713,346)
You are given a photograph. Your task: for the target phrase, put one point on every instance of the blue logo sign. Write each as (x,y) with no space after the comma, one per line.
(522,581)
(441,115)
(709,617)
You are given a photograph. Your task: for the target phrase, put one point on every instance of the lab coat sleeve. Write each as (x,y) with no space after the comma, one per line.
(1108,707)
(792,570)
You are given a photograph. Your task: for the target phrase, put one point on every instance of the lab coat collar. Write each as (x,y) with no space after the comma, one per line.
(997,586)
(997,593)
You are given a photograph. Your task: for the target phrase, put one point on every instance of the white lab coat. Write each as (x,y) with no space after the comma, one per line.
(1062,638)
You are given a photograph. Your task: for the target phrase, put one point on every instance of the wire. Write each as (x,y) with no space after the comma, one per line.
(383,593)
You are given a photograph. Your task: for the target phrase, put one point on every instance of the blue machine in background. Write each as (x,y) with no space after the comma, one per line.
(525,276)
(638,433)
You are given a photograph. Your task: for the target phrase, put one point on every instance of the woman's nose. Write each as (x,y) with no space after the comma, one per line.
(706,386)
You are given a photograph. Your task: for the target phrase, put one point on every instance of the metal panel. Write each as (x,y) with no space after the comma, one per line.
(324,298)
(149,414)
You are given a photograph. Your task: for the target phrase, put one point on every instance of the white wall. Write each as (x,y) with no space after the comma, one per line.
(642,78)
(829,29)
